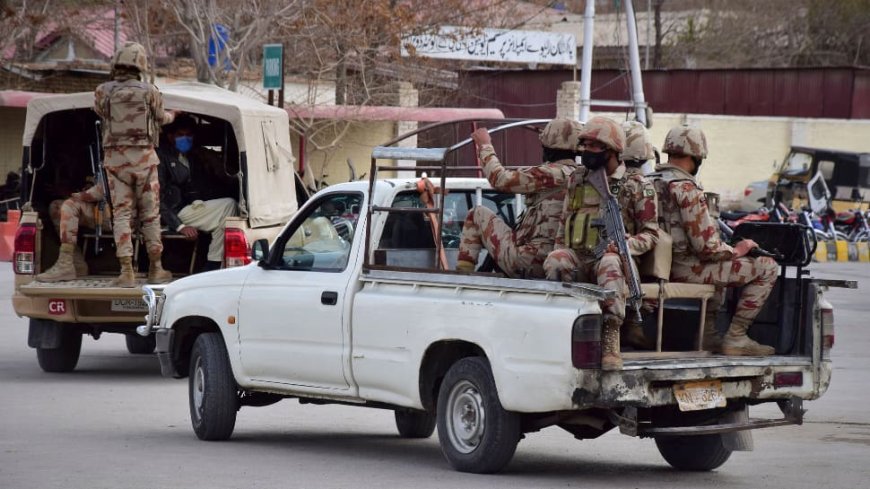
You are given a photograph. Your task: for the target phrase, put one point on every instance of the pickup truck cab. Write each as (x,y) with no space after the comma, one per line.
(248,138)
(355,303)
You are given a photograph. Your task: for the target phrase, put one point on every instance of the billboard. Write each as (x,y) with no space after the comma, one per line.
(510,46)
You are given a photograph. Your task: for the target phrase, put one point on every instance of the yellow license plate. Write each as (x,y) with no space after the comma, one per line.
(695,396)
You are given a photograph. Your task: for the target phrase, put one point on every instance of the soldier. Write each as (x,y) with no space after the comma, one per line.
(521,252)
(192,184)
(699,255)
(132,112)
(66,216)
(638,191)
(574,259)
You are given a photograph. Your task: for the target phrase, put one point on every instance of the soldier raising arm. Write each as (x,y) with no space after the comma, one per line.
(520,253)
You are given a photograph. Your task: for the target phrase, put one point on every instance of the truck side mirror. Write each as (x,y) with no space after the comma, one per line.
(260,250)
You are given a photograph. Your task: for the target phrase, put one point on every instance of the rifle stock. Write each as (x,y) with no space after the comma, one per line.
(612,230)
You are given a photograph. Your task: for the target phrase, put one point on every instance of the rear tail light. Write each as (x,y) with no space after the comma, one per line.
(236,249)
(586,342)
(747,191)
(24,258)
(788,379)
(827,329)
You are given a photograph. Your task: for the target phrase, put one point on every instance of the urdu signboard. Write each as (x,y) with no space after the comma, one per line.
(501,45)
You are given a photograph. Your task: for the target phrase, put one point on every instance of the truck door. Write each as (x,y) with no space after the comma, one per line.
(292,311)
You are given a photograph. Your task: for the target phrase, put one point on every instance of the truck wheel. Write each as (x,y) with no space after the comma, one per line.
(212,390)
(696,452)
(141,345)
(476,434)
(415,424)
(63,358)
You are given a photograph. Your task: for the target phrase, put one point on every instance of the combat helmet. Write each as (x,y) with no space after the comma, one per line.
(606,131)
(637,143)
(686,141)
(131,55)
(561,133)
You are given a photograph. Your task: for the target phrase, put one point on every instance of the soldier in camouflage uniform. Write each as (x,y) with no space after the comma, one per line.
(699,255)
(520,253)
(638,150)
(132,113)
(574,258)
(66,215)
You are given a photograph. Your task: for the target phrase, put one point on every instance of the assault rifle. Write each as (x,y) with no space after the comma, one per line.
(612,230)
(100,180)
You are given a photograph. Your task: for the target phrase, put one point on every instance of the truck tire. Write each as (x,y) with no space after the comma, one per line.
(695,453)
(212,390)
(415,424)
(141,345)
(476,433)
(63,358)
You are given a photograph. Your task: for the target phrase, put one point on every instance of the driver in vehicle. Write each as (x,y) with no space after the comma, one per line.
(193,188)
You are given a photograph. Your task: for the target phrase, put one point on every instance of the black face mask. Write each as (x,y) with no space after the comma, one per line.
(594,161)
(697,168)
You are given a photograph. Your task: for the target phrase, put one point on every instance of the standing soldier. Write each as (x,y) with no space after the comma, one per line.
(132,113)
(639,208)
(520,253)
(574,258)
(699,255)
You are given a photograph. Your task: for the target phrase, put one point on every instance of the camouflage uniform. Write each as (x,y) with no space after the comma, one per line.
(521,252)
(132,112)
(574,257)
(637,200)
(638,150)
(67,215)
(700,256)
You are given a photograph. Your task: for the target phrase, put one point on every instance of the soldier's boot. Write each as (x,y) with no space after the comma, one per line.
(610,357)
(79,262)
(156,273)
(63,268)
(738,344)
(711,341)
(633,335)
(464,266)
(126,278)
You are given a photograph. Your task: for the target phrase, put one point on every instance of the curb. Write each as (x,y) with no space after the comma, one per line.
(842,251)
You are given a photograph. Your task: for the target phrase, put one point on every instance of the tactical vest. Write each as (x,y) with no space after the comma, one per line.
(583,207)
(129,120)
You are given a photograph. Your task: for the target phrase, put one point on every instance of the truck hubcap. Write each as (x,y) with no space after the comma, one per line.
(465,417)
(198,388)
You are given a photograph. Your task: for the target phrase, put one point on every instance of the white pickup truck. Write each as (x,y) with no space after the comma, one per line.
(354,305)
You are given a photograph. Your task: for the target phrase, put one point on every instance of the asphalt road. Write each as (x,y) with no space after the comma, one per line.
(116,423)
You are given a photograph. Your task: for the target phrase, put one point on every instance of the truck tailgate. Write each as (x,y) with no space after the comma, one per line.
(86,288)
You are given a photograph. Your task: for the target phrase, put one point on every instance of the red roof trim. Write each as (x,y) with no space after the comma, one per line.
(386,113)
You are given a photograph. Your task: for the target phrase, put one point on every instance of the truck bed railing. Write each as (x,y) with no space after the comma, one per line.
(439,155)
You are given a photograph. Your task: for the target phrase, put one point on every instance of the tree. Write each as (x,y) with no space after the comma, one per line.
(232,29)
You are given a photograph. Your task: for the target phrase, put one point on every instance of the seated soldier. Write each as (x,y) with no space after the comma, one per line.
(67,215)
(520,253)
(699,255)
(193,188)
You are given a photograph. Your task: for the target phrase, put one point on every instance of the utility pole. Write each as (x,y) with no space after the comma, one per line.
(634,62)
(586,66)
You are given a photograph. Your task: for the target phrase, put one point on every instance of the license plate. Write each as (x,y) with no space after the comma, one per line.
(129,305)
(695,396)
